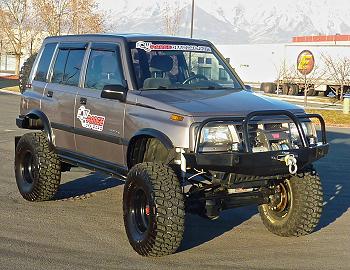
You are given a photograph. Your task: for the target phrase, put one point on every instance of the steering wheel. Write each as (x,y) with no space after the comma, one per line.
(197,76)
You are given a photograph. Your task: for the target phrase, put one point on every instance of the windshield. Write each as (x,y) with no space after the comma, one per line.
(165,65)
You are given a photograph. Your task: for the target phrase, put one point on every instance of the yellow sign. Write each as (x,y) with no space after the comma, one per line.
(305,62)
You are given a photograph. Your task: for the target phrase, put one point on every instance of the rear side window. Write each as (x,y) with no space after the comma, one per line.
(44,62)
(104,68)
(67,67)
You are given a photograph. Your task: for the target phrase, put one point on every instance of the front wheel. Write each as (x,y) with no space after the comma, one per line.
(153,206)
(295,209)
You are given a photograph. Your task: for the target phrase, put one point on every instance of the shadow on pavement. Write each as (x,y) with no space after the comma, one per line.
(199,230)
(334,171)
(82,186)
(335,176)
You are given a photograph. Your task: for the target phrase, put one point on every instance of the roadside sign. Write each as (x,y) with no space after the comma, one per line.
(305,62)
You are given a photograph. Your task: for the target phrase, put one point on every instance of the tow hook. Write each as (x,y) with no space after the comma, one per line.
(290,161)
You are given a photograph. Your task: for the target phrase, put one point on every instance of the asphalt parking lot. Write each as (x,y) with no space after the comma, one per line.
(83,228)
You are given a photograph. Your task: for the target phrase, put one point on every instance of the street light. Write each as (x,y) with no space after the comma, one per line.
(192,18)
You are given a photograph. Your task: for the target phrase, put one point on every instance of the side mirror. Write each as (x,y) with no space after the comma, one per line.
(248,88)
(114,91)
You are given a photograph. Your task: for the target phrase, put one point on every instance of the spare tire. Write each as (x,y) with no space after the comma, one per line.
(25,72)
(268,87)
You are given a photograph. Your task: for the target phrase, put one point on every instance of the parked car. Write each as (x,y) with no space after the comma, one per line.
(171,117)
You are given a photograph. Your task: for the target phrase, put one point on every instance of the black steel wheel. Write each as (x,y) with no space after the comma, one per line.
(295,208)
(153,206)
(37,168)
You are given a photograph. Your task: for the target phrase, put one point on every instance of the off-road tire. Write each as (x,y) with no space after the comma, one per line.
(166,213)
(25,72)
(268,87)
(305,207)
(37,168)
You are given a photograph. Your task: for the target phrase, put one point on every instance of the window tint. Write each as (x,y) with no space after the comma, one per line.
(44,62)
(67,67)
(73,67)
(58,70)
(104,68)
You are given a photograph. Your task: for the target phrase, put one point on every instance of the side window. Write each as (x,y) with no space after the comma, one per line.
(58,70)
(44,62)
(67,67)
(104,68)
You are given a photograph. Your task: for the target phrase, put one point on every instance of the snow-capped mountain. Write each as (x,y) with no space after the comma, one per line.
(237,21)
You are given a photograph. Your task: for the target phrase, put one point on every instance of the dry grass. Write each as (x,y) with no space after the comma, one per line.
(333,118)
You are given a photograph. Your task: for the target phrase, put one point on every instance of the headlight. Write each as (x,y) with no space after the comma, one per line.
(309,130)
(216,137)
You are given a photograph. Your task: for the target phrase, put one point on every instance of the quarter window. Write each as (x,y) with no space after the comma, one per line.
(44,62)
(104,68)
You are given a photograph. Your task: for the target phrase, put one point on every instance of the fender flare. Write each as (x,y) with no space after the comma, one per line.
(44,124)
(150,133)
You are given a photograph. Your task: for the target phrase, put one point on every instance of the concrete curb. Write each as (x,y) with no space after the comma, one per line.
(10,92)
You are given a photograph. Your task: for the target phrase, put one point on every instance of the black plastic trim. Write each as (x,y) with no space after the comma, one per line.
(91,134)
(78,159)
(26,122)
(164,139)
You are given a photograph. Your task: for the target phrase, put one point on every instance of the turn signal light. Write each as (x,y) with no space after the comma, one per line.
(176,117)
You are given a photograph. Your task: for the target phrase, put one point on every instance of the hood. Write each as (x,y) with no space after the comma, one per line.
(212,102)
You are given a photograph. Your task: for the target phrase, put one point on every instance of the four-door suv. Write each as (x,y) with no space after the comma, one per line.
(172,117)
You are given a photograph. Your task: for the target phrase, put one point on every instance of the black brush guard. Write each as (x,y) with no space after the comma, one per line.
(261,163)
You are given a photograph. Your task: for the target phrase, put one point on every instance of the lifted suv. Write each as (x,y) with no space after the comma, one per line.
(171,117)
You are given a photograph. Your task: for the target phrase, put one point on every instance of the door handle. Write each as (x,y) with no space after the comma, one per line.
(49,94)
(83,101)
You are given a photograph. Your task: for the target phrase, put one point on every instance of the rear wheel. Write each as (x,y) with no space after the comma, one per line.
(153,206)
(37,168)
(296,208)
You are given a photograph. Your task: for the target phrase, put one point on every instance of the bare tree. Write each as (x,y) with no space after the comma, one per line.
(85,17)
(171,17)
(338,70)
(69,16)
(311,80)
(14,23)
(53,15)
(284,74)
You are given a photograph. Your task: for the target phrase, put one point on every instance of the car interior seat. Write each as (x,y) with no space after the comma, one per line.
(159,66)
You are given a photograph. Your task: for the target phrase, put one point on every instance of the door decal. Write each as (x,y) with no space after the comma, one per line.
(90,121)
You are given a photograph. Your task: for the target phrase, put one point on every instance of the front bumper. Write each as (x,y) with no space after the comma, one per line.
(257,164)
(268,163)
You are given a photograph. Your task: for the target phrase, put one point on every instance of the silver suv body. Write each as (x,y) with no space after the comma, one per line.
(109,102)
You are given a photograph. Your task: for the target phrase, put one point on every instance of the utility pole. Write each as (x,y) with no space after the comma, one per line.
(192,18)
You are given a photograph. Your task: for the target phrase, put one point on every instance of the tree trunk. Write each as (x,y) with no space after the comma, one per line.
(306,89)
(341,91)
(18,64)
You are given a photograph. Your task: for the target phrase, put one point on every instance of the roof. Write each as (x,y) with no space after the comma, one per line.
(127,37)
(321,38)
